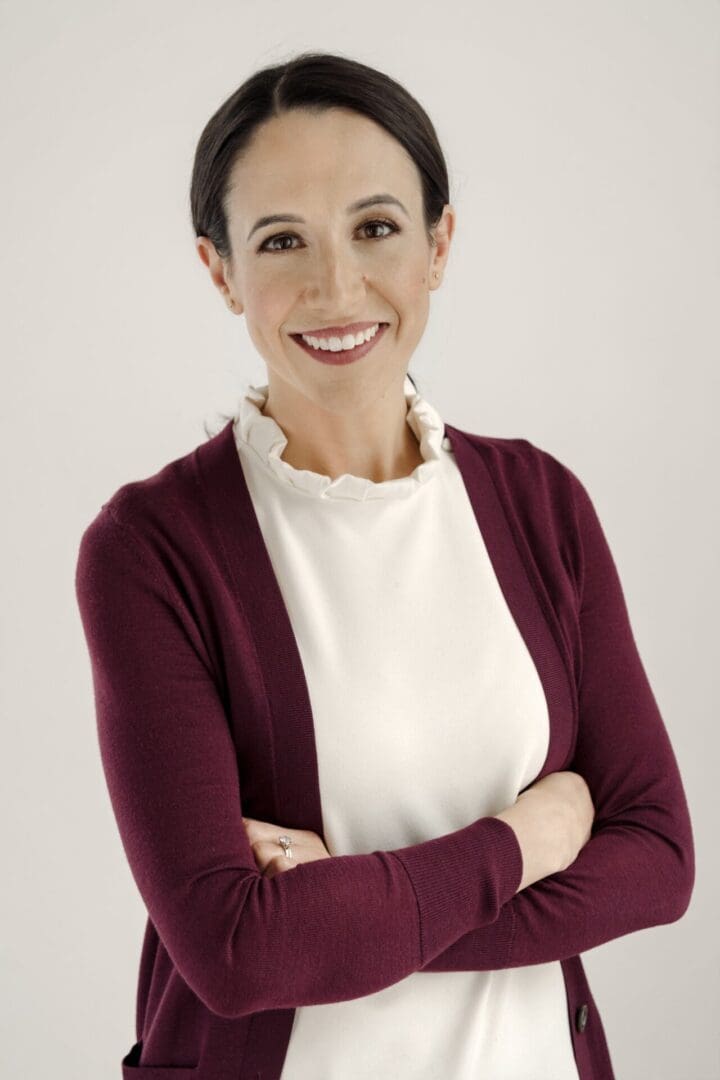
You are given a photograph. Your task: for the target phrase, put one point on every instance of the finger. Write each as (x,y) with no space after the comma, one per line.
(261,830)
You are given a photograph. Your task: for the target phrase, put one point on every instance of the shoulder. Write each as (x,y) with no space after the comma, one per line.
(545,503)
(521,469)
(159,516)
(166,498)
(149,552)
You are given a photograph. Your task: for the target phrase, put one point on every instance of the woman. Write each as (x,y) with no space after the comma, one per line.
(381,749)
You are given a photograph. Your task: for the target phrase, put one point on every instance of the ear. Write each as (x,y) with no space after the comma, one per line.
(443,233)
(218,271)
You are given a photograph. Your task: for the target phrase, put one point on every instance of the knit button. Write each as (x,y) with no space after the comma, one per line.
(581,1018)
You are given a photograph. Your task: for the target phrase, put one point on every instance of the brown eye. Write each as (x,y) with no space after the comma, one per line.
(382,224)
(279,236)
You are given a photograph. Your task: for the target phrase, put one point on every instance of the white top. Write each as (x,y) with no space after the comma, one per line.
(429,713)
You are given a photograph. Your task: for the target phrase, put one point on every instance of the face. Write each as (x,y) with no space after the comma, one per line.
(334,265)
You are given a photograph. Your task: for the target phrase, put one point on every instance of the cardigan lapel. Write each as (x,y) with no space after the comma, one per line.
(527,599)
(295,799)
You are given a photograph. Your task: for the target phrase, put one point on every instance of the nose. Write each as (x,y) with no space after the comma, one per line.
(338,284)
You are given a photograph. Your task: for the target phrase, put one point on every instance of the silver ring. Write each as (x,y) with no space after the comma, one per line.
(285,842)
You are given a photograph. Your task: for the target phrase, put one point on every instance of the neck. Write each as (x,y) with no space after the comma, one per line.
(372,441)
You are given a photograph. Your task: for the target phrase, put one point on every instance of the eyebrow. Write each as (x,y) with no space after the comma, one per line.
(360,204)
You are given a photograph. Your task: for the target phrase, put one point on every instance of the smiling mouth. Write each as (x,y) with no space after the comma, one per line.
(340,355)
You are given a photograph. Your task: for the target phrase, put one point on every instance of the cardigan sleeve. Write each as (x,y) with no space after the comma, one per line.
(326,931)
(637,869)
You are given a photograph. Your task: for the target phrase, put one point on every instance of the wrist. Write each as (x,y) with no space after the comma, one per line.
(540,839)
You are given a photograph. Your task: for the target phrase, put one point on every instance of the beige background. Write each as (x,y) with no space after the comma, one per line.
(580,310)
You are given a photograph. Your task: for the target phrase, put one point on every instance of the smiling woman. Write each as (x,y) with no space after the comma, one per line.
(377,735)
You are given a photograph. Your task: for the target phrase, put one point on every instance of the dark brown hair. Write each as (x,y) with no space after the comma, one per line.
(314,81)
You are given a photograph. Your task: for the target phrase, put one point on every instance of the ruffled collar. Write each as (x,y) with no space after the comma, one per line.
(264,437)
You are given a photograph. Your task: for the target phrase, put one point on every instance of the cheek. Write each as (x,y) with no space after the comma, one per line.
(268,300)
(410,282)
(408,270)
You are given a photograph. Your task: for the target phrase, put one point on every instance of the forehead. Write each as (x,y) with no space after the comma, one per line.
(336,153)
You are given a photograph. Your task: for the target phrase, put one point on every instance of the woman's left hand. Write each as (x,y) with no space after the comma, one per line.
(270,858)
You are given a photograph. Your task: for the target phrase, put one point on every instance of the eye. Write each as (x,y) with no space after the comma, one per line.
(374,222)
(377,221)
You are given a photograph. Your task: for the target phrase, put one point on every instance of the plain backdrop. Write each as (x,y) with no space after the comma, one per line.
(579,310)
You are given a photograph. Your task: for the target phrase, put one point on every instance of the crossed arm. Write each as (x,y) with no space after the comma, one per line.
(354,924)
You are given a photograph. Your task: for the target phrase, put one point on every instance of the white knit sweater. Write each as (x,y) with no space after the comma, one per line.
(429,713)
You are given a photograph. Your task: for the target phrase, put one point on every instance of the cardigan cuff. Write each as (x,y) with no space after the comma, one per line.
(462,880)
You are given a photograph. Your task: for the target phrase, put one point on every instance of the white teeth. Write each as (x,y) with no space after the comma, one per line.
(349,341)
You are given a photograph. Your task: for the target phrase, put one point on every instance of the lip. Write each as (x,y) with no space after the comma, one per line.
(342,356)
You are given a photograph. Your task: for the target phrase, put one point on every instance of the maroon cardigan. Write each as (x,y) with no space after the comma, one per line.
(203,714)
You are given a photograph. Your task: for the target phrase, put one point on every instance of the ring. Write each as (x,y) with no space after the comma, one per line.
(285,842)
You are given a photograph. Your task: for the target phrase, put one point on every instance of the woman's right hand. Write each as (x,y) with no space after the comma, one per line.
(552,820)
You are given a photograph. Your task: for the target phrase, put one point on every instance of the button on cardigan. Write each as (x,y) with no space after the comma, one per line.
(204,714)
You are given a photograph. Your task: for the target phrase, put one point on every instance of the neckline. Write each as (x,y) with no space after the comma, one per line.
(262,436)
